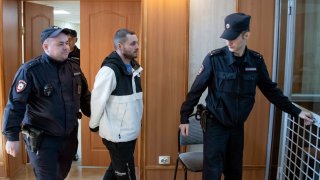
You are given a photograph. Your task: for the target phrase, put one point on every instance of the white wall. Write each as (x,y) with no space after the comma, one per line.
(205,27)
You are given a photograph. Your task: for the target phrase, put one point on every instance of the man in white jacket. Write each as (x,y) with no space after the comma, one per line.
(117,106)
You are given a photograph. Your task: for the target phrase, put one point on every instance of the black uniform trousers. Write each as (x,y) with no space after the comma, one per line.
(122,160)
(54,157)
(223,151)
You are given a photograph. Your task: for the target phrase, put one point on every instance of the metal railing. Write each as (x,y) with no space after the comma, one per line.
(299,156)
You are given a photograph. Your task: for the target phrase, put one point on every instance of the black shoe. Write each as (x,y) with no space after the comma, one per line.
(75,157)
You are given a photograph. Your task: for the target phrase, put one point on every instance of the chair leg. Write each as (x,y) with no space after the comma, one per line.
(176,169)
(185,173)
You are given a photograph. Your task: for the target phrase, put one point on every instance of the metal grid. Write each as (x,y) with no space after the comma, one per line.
(300,155)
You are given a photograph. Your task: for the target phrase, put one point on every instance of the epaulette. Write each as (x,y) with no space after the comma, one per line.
(215,52)
(256,54)
(74,60)
(31,64)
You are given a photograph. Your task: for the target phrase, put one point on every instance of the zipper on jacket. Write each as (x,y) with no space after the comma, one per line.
(134,89)
(121,124)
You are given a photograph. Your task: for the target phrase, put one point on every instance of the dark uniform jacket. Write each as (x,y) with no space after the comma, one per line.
(232,85)
(75,54)
(46,94)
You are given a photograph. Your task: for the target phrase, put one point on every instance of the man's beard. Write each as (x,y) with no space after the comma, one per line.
(129,55)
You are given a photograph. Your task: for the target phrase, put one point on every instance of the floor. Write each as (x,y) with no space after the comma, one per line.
(77,172)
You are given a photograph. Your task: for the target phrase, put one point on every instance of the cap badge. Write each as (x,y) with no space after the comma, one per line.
(227,26)
(21,86)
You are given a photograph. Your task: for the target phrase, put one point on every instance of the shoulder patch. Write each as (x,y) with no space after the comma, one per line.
(21,86)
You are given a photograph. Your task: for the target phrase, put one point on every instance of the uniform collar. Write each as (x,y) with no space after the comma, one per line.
(116,59)
(75,50)
(50,60)
(231,58)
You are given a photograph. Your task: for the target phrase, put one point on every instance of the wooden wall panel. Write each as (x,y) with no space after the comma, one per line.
(11,40)
(256,132)
(165,51)
(3,162)
(10,61)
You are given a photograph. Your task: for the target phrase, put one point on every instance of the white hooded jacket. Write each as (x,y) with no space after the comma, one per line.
(116,101)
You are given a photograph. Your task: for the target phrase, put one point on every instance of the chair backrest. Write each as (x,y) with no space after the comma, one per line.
(192,161)
(195,135)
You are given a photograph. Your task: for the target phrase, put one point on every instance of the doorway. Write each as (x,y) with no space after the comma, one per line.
(99,19)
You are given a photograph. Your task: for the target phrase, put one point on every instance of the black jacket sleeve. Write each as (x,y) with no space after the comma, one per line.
(16,106)
(198,87)
(85,97)
(274,94)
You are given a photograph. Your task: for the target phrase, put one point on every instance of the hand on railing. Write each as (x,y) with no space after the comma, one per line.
(307,117)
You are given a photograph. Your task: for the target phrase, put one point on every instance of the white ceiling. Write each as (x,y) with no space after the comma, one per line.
(71,6)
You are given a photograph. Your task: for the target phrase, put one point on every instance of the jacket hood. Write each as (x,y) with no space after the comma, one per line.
(115,59)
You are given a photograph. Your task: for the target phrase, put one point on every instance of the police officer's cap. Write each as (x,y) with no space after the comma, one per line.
(235,24)
(52,32)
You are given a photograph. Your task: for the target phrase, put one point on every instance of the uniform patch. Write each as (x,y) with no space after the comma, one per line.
(76,73)
(21,86)
(200,70)
(251,69)
(79,89)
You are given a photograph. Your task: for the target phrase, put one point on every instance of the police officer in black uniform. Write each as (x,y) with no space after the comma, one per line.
(74,50)
(231,75)
(44,102)
(75,55)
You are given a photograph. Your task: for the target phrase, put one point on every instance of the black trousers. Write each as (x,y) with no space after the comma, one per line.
(223,151)
(54,157)
(122,160)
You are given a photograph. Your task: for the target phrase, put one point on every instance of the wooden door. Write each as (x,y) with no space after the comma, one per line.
(36,18)
(9,63)
(99,20)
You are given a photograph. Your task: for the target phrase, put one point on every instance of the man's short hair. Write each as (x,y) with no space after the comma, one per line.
(73,32)
(121,36)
